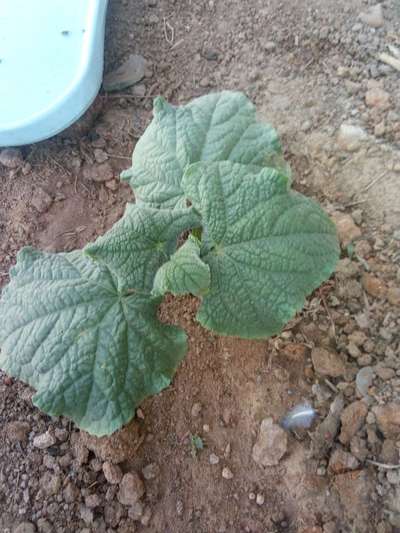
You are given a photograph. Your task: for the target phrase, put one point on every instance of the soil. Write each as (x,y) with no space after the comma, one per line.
(308,65)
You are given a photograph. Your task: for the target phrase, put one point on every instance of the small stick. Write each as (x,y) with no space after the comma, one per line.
(169,38)
(331,385)
(374,181)
(117,156)
(382,465)
(389,60)
(178,43)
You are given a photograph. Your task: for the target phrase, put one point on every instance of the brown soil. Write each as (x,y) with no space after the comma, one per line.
(298,87)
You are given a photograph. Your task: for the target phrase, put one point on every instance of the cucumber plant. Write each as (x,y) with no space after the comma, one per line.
(82,327)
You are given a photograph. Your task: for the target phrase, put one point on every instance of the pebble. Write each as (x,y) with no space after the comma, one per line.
(25,527)
(43,441)
(86,514)
(98,173)
(131,489)
(227,473)
(71,492)
(352,418)
(129,73)
(17,431)
(350,137)
(393,296)
(327,362)
(44,526)
(196,409)
(269,46)
(364,379)
(92,501)
(40,200)
(113,512)
(50,483)
(373,286)
(147,514)
(213,459)
(385,373)
(271,444)
(260,499)
(373,17)
(347,230)
(151,471)
(100,155)
(11,158)
(136,511)
(377,97)
(112,473)
(342,461)
(388,419)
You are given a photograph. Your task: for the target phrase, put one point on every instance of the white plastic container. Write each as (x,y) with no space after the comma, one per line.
(51,65)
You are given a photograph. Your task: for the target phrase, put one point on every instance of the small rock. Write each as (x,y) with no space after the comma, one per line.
(364,380)
(210,54)
(61,434)
(139,90)
(112,473)
(358,448)
(196,409)
(129,73)
(271,444)
(98,173)
(96,465)
(41,201)
(92,501)
(44,526)
(17,431)
(50,483)
(388,419)
(357,337)
(385,373)
(11,158)
(260,499)
(380,129)
(151,471)
(113,512)
(136,511)
(147,514)
(131,489)
(342,461)
(227,473)
(269,46)
(346,228)
(25,527)
(353,350)
(373,17)
(213,459)
(377,97)
(112,185)
(364,360)
(352,418)
(327,362)
(79,450)
(393,296)
(71,492)
(86,514)
(389,452)
(43,441)
(373,286)
(100,155)
(350,137)
(114,448)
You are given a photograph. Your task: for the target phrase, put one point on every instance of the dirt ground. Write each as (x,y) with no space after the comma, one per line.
(312,69)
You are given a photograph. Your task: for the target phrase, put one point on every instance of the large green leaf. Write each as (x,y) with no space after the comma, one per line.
(267,247)
(91,351)
(216,127)
(184,273)
(138,244)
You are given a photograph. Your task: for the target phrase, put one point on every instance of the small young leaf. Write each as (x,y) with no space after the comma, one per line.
(138,244)
(92,352)
(215,127)
(267,247)
(184,273)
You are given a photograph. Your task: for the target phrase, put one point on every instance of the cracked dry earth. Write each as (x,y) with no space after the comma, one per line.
(313,70)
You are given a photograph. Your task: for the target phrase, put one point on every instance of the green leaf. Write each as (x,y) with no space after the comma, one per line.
(184,273)
(92,352)
(215,127)
(138,244)
(267,247)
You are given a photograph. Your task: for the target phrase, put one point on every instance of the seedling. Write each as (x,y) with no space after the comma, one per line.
(82,327)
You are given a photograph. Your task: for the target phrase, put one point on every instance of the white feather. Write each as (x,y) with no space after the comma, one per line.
(301,416)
